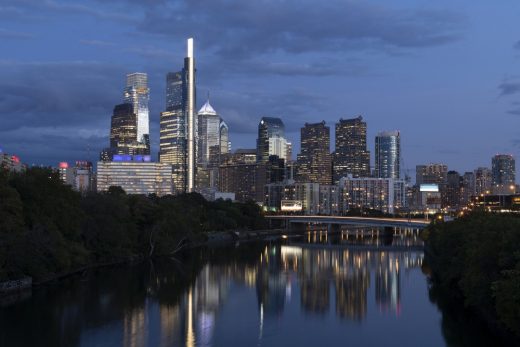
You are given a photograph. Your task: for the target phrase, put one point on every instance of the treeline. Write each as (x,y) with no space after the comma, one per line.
(47,229)
(476,260)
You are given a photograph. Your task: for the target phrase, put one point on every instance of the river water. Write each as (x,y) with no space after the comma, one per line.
(351,288)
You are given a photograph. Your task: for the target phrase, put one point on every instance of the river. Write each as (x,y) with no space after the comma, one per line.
(352,288)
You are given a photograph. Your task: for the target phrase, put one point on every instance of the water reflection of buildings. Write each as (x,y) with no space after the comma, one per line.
(191,321)
(324,277)
(135,328)
(350,273)
(270,284)
(388,288)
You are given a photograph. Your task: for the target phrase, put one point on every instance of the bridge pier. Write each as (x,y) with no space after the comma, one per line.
(333,228)
(297,227)
(388,231)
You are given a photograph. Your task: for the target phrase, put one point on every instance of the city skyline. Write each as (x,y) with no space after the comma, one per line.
(69,91)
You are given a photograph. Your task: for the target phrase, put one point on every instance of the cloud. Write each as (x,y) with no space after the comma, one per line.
(241,110)
(49,145)
(509,87)
(58,93)
(515,112)
(26,8)
(244,29)
(517,45)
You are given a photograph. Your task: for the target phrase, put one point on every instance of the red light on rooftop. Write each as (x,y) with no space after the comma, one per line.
(15,159)
(64,165)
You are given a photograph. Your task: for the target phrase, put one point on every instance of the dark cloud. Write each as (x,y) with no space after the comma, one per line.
(515,112)
(58,93)
(509,87)
(27,8)
(241,110)
(243,29)
(49,146)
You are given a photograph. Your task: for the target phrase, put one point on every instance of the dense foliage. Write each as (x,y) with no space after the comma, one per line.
(476,259)
(46,228)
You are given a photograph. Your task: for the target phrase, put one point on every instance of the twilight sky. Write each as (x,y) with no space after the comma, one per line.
(445,73)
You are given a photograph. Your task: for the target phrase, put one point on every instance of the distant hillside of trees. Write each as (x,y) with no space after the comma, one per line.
(47,229)
(476,260)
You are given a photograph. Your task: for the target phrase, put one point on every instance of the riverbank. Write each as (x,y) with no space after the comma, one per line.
(48,231)
(475,261)
(15,287)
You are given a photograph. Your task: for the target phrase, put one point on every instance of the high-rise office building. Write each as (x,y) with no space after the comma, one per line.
(468,188)
(213,136)
(174,90)
(225,144)
(172,147)
(137,94)
(351,155)
(388,151)
(314,160)
(503,171)
(271,139)
(123,132)
(191,136)
(288,157)
(452,198)
(483,181)
(178,124)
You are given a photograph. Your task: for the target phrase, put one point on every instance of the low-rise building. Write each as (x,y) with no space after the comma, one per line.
(135,177)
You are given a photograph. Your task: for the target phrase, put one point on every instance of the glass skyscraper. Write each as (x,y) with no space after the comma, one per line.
(388,152)
(351,155)
(137,94)
(225,144)
(123,132)
(209,133)
(271,139)
(178,125)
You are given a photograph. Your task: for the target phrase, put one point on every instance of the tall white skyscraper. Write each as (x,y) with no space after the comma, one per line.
(189,65)
(213,135)
(209,133)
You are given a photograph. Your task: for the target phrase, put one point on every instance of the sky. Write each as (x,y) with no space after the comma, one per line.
(445,73)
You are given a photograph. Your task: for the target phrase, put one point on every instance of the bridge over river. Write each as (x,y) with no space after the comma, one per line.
(377,222)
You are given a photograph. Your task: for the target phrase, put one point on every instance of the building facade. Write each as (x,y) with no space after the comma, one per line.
(137,94)
(178,125)
(382,194)
(503,174)
(351,156)
(271,139)
(453,195)
(483,181)
(387,155)
(314,161)
(135,177)
(11,162)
